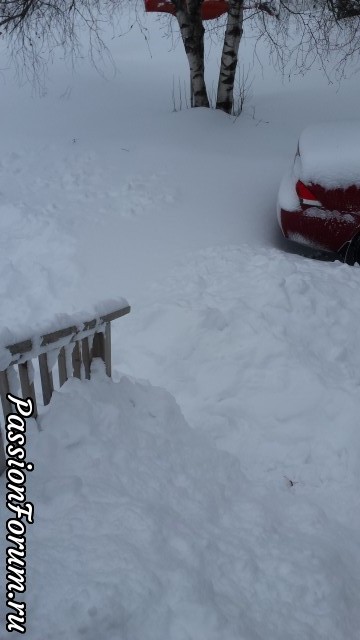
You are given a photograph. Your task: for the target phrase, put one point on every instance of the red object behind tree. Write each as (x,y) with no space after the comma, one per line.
(210,8)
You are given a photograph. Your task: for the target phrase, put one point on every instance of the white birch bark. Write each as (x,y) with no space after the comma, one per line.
(229,57)
(192,33)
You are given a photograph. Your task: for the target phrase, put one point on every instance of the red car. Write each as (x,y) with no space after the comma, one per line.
(319,199)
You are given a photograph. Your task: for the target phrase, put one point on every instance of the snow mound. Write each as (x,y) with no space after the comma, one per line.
(260,349)
(287,196)
(144,530)
(330,154)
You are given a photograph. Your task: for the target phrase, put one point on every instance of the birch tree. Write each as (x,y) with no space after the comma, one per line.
(229,57)
(192,30)
(188,14)
(343,9)
(298,33)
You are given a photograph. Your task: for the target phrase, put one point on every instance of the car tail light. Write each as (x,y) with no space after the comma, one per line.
(306,196)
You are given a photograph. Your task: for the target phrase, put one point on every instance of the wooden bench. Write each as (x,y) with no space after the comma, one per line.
(71,348)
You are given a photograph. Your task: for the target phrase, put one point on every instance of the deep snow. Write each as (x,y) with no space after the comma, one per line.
(145,531)
(246,524)
(329,154)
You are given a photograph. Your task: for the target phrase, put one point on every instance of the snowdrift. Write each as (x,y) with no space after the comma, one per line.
(145,531)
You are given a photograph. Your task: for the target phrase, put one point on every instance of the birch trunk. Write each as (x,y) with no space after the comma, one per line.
(229,57)
(192,32)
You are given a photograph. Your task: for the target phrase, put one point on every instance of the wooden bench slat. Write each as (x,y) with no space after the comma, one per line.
(20,347)
(107,354)
(27,387)
(109,317)
(4,390)
(98,346)
(47,384)
(63,376)
(55,336)
(76,360)
(102,347)
(89,325)
(85,350)
(7,408)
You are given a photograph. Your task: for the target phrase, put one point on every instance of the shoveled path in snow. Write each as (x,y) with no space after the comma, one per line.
(261,350)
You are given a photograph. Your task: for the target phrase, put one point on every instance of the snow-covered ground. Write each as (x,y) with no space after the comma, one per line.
(213,491)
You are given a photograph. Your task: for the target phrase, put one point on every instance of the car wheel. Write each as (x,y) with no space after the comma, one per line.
(352,254)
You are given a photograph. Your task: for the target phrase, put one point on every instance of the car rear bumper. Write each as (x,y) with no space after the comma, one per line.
(317,228)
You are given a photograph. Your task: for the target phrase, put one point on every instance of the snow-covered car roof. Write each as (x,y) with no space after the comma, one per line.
(330,154)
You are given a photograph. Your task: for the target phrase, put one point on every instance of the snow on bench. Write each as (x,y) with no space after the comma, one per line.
(72,348)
